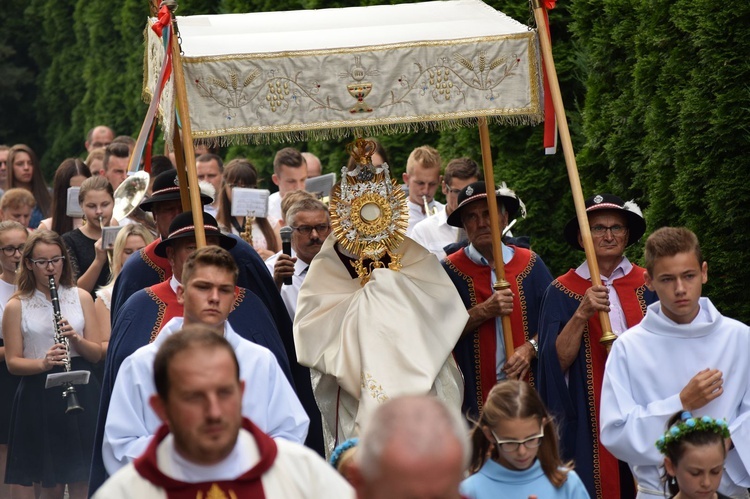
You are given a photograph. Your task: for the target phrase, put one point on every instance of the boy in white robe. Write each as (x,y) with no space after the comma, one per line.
(207,292)
(205,447)
(684,355)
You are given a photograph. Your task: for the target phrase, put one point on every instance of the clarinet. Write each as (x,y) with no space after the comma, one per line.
(69,391)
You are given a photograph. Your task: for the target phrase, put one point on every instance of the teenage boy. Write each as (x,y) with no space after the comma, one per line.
(207,293)
(676,359)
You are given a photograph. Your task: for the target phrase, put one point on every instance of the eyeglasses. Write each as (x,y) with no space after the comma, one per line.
(306,230)
(513,445)
(43,264)
(11,250)
(616,230)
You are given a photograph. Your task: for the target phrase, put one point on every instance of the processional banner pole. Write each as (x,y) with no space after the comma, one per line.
(570,162)
(497,249)
(188,166)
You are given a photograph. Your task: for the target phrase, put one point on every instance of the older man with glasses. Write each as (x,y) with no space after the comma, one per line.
(571,360)
(310,223)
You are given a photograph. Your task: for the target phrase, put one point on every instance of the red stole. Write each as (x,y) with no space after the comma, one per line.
(486,340)
(160,265)
(247,486)
(630,289)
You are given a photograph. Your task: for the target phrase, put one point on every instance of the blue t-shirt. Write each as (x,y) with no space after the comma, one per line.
(494,480)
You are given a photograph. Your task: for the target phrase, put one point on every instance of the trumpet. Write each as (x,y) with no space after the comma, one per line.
(69,391)
(427,210)
(127,197)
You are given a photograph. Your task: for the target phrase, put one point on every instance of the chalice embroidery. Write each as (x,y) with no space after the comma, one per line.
(359,91)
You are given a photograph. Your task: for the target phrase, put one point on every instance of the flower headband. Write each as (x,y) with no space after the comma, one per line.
(689,424)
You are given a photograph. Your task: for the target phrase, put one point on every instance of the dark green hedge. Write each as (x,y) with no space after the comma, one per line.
(656,92)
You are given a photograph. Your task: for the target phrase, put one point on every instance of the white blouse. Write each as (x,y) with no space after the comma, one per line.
(38,325)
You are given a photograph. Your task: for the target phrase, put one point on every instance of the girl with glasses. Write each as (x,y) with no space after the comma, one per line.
(13,236)
(46,446)
(516,450)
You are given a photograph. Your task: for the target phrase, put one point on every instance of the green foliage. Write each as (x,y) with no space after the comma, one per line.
(656,93)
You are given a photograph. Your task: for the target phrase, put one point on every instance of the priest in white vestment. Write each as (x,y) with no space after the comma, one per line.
(375,328)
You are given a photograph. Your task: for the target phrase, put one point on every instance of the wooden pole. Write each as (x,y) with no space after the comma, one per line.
(187,140)
(179,159)
(570,162)
(497,249)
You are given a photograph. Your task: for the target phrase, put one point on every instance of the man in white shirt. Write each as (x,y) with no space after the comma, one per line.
(289,173)
(205,448)
(422,177)
(211,169)
(434,233)
(207,293)
(683,356)
(310,224)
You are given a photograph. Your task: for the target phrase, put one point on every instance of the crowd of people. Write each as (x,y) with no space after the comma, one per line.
(154,368)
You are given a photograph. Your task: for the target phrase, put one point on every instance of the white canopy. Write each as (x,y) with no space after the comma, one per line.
(331,70)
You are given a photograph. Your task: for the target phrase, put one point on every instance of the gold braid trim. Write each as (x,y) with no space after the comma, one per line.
(527,335)
(639,292)
(591,397)
(475,335)
(159,315)
(160,271)
(241,292)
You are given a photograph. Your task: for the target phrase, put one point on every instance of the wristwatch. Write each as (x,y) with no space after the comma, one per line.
(535,345)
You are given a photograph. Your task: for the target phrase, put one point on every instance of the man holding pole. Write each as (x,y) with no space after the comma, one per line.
(481,351)
(571,366)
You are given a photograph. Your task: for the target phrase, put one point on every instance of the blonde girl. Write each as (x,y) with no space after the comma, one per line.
(130,239)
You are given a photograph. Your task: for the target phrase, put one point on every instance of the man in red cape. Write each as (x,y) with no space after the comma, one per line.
(571,365)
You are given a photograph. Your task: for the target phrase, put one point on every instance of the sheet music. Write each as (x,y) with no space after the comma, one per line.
(250,202)
(73,208)
(321,185)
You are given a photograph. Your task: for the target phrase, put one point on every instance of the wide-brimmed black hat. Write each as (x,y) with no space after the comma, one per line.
(167,188)
(182,226)
(478,190)
(636,223)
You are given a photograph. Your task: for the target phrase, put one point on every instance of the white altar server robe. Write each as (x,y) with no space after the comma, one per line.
(646,370)
(269,400)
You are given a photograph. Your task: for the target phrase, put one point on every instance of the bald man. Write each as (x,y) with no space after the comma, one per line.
(413,446)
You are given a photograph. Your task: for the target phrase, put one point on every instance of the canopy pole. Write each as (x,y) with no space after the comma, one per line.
(497,249)
(570,162)
(179,159)
(187,138)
